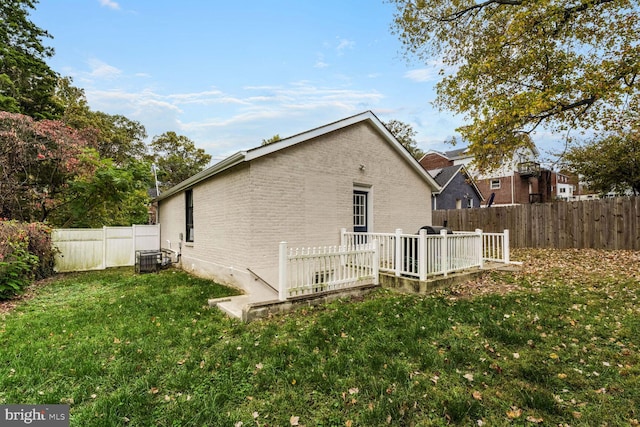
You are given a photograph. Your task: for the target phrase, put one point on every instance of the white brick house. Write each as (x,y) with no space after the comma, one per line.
(351,173)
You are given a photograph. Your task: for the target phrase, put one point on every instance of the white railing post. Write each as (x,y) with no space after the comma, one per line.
(505,247)
(282,271)
(398,262)
(480,247)
(343,237)
(422,255)
(376,262)
(444,252)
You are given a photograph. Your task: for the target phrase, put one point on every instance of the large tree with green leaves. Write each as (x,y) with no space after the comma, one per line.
(406,135)
(611,163)
(27,83)
(177,158)
(119,138)
(512,66)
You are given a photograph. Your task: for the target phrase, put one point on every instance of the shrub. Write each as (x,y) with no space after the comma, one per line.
(26,253)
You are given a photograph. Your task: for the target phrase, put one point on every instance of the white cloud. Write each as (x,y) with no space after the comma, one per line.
(422,75)
(110,4)
(235,121)
(345,44)
(103,70)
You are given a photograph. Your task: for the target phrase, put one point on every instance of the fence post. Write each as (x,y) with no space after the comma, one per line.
(282,271)
(134,237)
(505,247)
(422,255)
(376,262)
(480,247)
(398,259)
(444,252)
(104,247)
(343,237)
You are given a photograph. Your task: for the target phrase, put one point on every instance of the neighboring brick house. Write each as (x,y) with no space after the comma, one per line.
(352,173)
(518,181)
(458,188)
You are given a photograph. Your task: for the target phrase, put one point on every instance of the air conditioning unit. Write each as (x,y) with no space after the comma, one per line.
(148,261)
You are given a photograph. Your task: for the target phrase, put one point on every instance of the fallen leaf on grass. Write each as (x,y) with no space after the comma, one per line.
(477,395)
(294,420)
(514,412)
(534,420)
(154,390)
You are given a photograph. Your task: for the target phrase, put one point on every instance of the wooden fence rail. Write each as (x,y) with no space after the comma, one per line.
(596,224)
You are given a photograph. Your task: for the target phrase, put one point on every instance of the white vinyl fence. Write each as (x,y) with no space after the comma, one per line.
(306,271)
(83,249)
(422,256)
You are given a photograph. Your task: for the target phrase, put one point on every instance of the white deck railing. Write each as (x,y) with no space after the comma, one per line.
(306,271)
(423,255)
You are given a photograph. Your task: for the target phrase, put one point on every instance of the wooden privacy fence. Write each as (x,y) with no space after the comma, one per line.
(83,249)
(596,224)
(305,271)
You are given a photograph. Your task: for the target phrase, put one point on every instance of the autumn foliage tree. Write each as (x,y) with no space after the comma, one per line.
(37,159)
(513,66)
(52,172)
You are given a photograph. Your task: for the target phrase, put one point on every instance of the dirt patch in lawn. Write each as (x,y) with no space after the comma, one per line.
(29,293)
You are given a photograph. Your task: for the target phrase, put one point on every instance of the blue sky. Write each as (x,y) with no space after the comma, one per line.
(228,74)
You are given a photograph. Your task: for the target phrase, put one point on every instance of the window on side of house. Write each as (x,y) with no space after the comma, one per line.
(495,184)
(189,214)
(360,211)
(469,203)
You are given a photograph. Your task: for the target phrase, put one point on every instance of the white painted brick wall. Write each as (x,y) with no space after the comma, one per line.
(302,195)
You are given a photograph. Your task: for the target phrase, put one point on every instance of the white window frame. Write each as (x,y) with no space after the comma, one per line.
(494,184)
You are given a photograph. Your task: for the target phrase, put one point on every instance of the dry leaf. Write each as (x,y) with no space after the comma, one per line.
(534,420)
(353,390)
(554,356)
(348,423)
(468,377)
(477,395)
(259,366)
(294,420)
(562,376)
(154,390)
(116,341)
(514,412)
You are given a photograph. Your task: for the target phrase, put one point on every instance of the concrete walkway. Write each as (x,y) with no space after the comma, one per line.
(233,305)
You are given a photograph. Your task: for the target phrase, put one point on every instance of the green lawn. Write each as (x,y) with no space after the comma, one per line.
(557,344)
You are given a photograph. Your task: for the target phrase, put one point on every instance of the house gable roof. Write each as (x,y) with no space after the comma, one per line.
(445,175)
(255,153)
